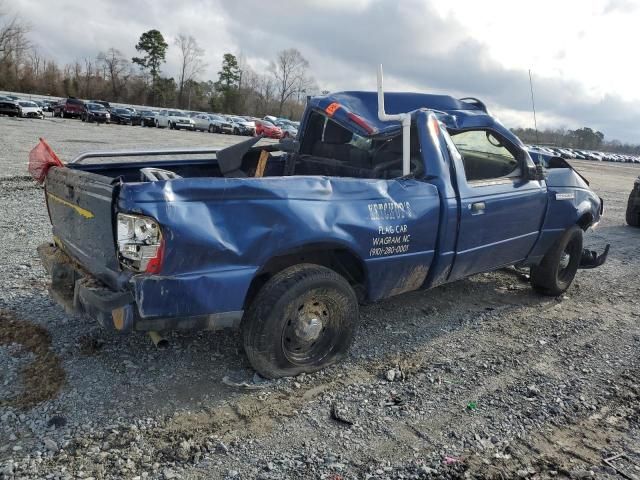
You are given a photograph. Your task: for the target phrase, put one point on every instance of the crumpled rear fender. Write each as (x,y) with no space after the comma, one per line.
(236,225)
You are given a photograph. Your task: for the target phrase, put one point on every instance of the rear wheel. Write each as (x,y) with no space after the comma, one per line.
(303,319)
(211,129)
(559,266)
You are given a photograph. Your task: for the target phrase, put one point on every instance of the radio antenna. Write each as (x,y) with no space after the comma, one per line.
(533,104)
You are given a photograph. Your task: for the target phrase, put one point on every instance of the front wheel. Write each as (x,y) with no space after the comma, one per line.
(303,319)
(559,266)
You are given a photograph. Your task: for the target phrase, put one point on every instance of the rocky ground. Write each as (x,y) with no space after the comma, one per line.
(478,379)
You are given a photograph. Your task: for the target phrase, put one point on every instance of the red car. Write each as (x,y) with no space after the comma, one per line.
(71,107)
(268,129)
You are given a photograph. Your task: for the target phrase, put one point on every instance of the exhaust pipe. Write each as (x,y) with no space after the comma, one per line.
(405,118)
(158,340)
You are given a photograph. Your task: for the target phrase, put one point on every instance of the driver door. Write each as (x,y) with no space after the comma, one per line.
(501,210)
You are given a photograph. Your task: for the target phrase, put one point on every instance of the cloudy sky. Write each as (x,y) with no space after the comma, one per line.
(583,53)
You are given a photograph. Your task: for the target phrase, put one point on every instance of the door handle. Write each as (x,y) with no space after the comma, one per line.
(477,207)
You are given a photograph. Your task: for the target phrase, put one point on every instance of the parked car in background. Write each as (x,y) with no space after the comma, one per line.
(45,105)
(106,105)
(68,108)
(147,118)
(9,108)
(268,129)
(95,112)
(29,109)
(225,126)
(121,116)
(242,126)
(136,118)
(289,130)
(174,119)
(209,122)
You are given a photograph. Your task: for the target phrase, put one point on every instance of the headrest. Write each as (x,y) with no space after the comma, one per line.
(335,134)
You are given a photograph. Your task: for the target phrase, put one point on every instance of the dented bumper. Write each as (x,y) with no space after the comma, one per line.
(78,292)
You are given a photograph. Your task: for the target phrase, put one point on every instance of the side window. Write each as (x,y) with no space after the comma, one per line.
(484,156)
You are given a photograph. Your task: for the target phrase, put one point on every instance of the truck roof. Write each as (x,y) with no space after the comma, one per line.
(458,113)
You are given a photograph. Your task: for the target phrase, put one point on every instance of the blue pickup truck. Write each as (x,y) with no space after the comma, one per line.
(380,194)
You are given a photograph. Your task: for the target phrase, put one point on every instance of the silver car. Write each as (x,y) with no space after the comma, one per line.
(174,119)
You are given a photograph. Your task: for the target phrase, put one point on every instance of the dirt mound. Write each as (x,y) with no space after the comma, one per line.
(44,376)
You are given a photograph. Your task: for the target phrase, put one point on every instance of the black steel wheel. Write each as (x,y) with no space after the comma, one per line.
(303,319)
(560,264)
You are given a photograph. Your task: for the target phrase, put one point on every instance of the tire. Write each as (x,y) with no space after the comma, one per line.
(171,127)
(633,208)
(302,296)
(559,266)
(83,118)
(212,129)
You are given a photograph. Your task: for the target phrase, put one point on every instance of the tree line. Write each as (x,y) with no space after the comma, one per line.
(280,90)
(582,139)
(112,76)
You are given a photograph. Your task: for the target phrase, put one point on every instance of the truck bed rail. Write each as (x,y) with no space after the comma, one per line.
(142,153)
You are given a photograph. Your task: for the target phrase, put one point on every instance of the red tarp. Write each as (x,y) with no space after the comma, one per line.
(41,158)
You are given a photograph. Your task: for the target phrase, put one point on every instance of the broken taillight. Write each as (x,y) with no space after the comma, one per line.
(140,243)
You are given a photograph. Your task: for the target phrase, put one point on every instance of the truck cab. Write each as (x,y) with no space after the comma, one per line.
(380,194)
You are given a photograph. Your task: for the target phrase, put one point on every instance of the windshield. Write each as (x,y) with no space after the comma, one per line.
(175,113)
(95,106)
(28,104)
(268,124)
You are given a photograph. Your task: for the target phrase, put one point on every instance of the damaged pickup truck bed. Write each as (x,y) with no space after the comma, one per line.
(286,240)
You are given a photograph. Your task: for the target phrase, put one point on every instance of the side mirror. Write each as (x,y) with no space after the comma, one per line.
(535,172)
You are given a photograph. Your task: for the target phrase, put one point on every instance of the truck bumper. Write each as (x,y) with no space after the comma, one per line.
(78,292)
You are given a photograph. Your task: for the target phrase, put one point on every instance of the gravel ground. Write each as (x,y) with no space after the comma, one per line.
(478,379)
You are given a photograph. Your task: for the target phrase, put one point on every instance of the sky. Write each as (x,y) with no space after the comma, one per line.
(583,54)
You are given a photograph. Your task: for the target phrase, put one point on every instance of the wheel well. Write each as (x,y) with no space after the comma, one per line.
(585,221)
(341,260)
